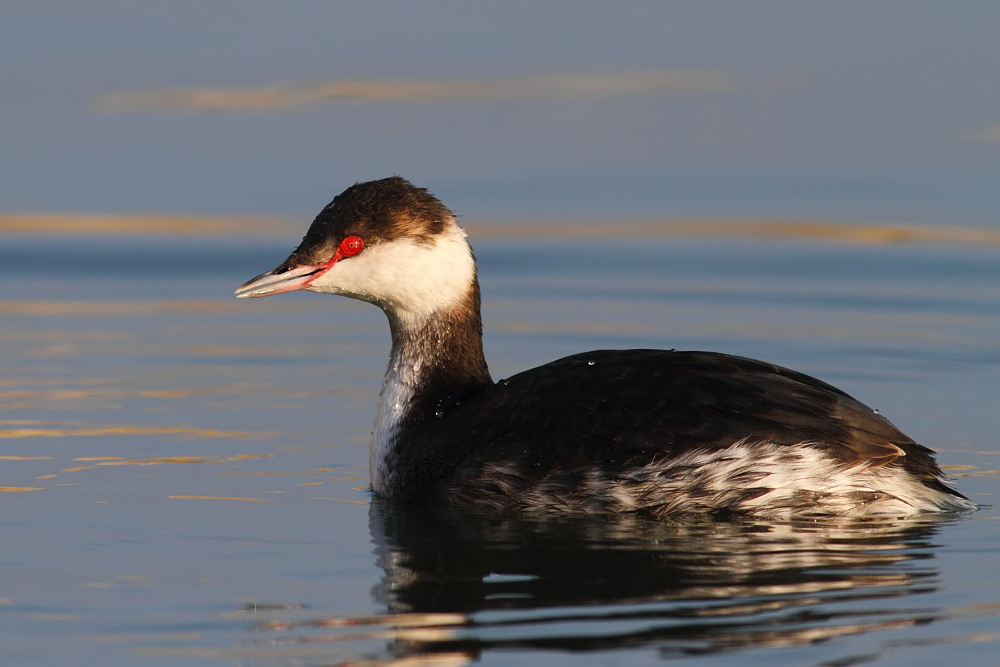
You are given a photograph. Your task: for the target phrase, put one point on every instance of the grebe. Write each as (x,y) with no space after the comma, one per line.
(655,432)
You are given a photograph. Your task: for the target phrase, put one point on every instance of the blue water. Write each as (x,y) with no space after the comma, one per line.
(198,464)
(184,475)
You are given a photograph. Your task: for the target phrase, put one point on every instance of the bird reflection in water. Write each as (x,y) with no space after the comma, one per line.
(458,585)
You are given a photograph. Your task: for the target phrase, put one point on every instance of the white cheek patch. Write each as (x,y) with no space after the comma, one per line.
(410,279)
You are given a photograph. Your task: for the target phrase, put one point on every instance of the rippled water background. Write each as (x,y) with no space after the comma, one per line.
(185,474)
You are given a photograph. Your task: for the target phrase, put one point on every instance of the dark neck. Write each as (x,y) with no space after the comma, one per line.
(442,356)
(435,364)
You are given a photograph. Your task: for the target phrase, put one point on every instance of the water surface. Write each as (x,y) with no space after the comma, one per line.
(184,475)
(187,472)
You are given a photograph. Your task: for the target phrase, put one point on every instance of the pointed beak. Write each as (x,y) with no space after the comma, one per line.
(281,279)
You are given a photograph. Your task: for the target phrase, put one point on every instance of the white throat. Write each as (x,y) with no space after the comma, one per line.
(402,378)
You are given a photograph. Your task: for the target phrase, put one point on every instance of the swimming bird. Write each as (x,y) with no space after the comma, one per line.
(655,432)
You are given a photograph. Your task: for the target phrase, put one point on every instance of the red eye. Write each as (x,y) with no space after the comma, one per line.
(350,246)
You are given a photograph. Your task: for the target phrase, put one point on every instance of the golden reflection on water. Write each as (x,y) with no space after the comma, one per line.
(867,233)
(94,307)
(31,430)
(83,224)
(125,430)
(248,500)
(480,90)
(989,134)
(100,224)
